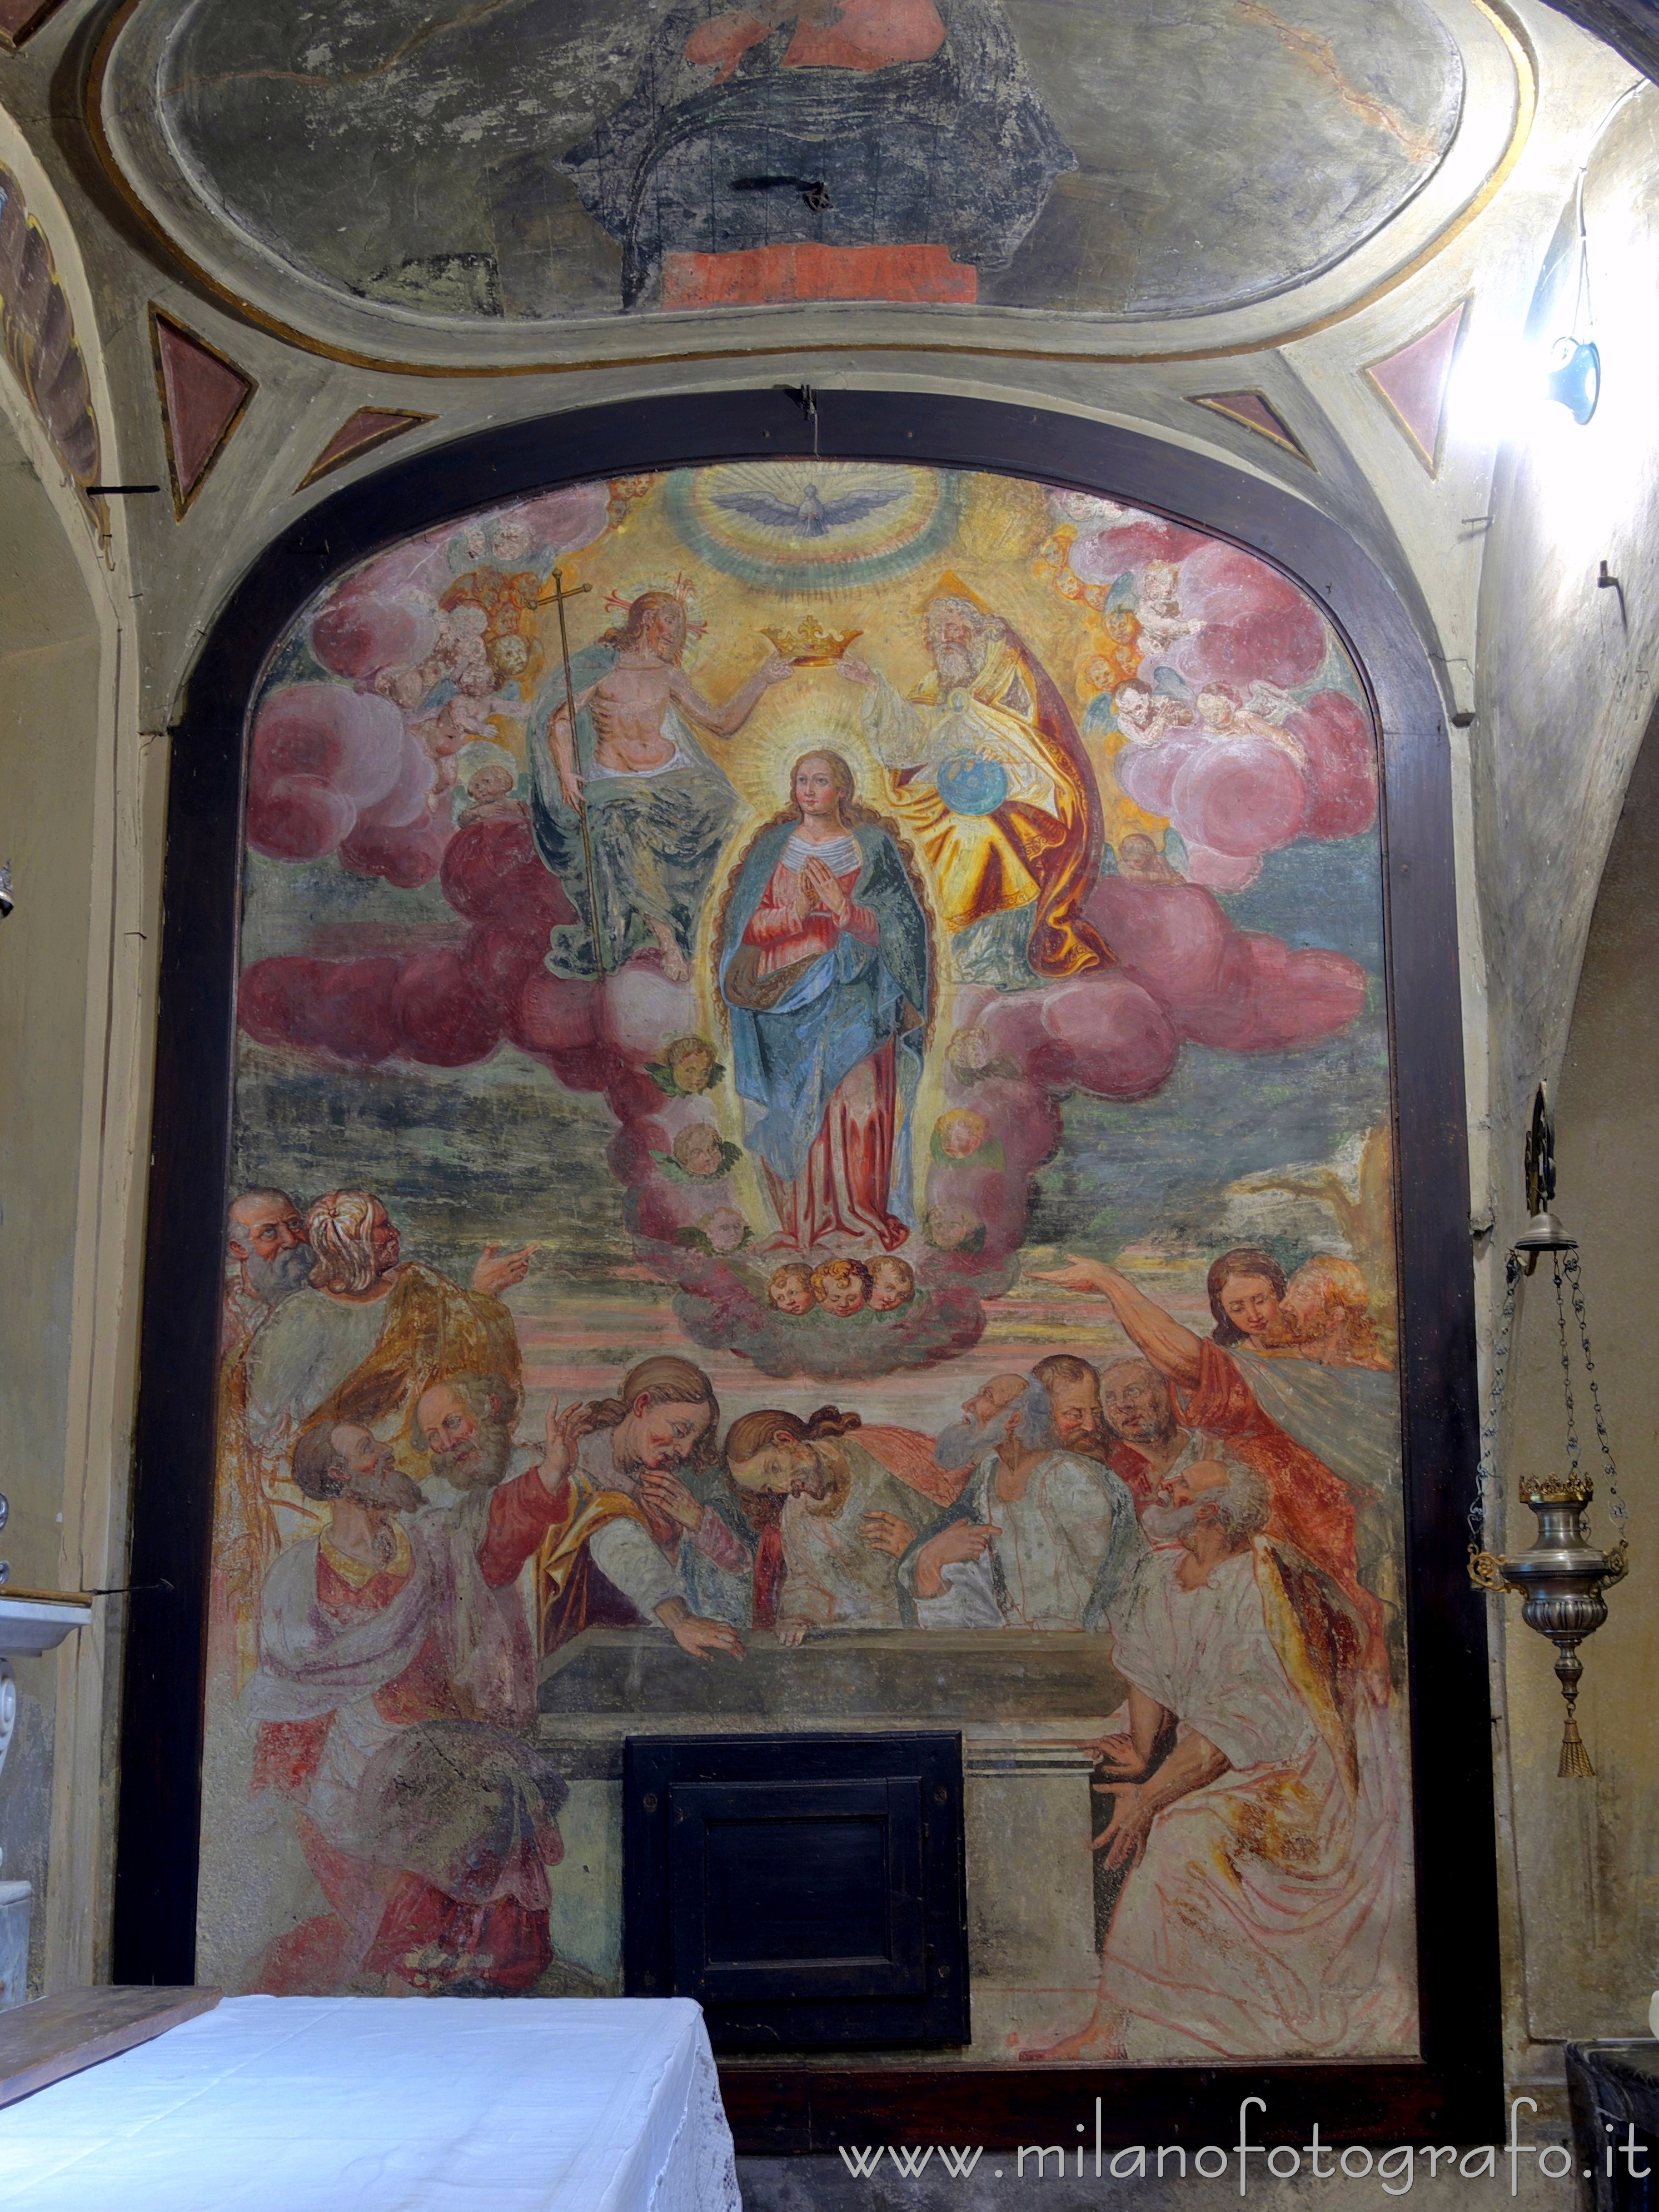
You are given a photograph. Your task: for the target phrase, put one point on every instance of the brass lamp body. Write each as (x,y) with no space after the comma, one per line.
(1561,1577)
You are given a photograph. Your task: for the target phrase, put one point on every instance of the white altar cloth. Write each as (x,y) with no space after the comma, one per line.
(387,2105)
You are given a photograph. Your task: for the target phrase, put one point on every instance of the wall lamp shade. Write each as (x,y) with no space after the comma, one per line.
(1574,376)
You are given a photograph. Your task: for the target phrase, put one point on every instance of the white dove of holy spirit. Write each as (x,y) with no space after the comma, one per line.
(809,514)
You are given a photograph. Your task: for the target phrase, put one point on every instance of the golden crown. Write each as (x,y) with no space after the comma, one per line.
(809,645)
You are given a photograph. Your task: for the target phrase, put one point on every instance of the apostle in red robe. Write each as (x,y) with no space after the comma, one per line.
(1209,1396)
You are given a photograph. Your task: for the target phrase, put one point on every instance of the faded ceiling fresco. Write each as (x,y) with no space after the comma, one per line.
(540,159)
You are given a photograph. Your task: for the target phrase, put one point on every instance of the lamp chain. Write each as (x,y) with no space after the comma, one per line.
(1566,1374)
(1616,1505)
(1500,1361)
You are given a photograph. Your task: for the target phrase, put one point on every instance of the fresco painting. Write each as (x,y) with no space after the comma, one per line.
(811,1141)
(551,158)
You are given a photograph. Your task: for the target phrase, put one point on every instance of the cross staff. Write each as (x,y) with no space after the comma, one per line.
(556,597)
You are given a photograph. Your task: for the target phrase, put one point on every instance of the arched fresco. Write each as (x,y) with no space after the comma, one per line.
(868,1141)
(543,159)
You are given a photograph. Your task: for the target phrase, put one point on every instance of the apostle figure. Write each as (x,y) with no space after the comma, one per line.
(1256,1802)
(1313,1506)
(624,1515)
(1041,1537)
(395,1687)
(846,1518)
(627,806)
(825,968)
(988,777)
(267,1260)
(372,1329)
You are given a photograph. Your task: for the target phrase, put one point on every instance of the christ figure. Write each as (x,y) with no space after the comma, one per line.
(630,812)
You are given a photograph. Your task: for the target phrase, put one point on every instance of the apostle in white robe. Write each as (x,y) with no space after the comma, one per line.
(1266,1911)
(1040,1538)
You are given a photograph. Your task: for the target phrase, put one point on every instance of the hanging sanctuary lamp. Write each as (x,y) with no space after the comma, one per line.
(1562,1576)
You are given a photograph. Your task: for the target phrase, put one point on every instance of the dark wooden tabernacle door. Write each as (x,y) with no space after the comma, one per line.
(809,1890)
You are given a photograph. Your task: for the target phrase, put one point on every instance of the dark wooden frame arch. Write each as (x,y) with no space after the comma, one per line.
(1454,2092)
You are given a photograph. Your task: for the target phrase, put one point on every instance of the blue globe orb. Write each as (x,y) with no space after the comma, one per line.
(971,783)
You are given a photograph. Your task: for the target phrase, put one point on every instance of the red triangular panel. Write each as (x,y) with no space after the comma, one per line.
(1412,383)
(1255,412)
(203,397)
(22,19)
(359,433)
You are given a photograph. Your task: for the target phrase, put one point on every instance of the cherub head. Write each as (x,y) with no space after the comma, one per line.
(690,1060)
(843,1286)
(474,679)
(463,624)
(699,1150)
(486,785)
(509,656)
(1217,709)
(1132,704)
(892,1284)
(509,539)
(962,1132)
(790,1288)
(453,725)
(1160,583)
(404,687)
(971,1050)
(725,1228)
(953,1228)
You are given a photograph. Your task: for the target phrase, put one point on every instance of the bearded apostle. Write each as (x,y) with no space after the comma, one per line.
(1042,1536)
(1257,1803)
(988,776)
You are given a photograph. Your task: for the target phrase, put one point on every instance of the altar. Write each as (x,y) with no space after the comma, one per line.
(1024,1703)
(308,2104)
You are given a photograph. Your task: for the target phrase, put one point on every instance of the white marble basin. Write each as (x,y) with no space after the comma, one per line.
(30,1626)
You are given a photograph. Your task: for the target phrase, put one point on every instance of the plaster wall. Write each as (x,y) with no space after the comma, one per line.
(1565,674)
(1588,1852)
(48,735)
(74,758)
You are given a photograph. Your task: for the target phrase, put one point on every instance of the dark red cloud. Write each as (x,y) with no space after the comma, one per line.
(1335,732)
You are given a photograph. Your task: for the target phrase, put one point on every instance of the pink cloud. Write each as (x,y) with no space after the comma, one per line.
(1258,627)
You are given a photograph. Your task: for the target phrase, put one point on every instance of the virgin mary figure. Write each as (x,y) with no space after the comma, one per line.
(825,970)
